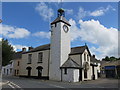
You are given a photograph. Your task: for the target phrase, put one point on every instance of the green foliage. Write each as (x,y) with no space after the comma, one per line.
(110,58)
(7,51)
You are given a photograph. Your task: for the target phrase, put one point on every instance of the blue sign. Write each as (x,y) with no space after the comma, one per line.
(109,67)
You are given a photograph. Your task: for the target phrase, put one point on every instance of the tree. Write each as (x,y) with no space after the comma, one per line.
(107,58)
(7,52)
(112,58)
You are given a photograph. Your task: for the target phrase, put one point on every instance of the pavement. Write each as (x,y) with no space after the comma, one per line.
(22,83)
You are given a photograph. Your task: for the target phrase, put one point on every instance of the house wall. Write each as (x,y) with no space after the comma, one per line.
(16,67)
(8,69)
(80,60)
(34,64)
(96,74)
(87,60)
(71,76)
(76,75)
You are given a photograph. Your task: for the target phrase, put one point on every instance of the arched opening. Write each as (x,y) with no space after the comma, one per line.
(39,68)
(29,71)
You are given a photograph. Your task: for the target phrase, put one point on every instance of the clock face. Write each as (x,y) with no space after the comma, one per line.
(65,28)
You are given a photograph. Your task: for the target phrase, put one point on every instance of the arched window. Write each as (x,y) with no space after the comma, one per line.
(87,57)
(84,57)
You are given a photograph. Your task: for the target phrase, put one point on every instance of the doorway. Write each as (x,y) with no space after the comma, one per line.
(80,77)
(39,68)
(29,71)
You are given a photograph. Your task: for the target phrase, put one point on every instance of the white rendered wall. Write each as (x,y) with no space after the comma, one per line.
(76,75)
(7,70)
(96,75)
(71,76)
(89,71)
(60,48)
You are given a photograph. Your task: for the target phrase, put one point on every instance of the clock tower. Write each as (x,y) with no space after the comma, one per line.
(60,45)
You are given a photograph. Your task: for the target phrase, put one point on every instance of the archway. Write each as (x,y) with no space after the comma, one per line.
(39,68)
(29,71)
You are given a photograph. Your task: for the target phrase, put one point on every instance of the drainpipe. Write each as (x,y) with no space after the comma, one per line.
(61,74)
(48,63)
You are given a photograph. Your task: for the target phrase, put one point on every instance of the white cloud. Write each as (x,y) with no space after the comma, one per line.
(69,11)
(101,11)
(42,34)
(82,13)
(94,32)
(98,12)
(13,32)
(44,11)
(19,47)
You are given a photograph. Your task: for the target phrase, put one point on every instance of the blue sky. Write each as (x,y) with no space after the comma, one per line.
(28,24)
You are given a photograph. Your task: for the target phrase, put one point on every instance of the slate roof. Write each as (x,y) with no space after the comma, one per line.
(17,55)
(39,48)
(93,59)
(79,50)
(110,63)
(74,50)
(61,19)
(70,64)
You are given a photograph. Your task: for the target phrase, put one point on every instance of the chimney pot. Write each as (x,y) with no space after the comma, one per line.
(30,48)
(23,49)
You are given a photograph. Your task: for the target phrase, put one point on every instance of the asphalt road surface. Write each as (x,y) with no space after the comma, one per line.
(24,83)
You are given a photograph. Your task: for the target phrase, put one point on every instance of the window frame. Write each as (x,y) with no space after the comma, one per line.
(84,56)
(65,71)
(29,58)
(40,57)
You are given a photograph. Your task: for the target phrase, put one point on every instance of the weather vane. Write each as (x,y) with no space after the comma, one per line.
(61,4)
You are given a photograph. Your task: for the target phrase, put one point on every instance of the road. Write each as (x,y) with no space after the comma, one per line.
(22,83)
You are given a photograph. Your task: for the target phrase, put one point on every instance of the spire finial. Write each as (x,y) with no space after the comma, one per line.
(61,12)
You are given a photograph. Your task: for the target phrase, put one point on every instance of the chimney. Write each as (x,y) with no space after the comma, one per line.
(94,56)
(23,49)
(30,48)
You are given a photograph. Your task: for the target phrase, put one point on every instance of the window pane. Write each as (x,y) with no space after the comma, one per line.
(65,72)
(30,58)
(40,55)
(85,57)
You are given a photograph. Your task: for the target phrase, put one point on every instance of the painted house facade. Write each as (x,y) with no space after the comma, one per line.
(57,60)
(8,69)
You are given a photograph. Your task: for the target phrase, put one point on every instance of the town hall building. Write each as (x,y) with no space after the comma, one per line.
(57,60)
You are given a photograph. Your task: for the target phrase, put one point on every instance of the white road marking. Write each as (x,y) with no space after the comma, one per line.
(15,85)
(11,85)
(56,86)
